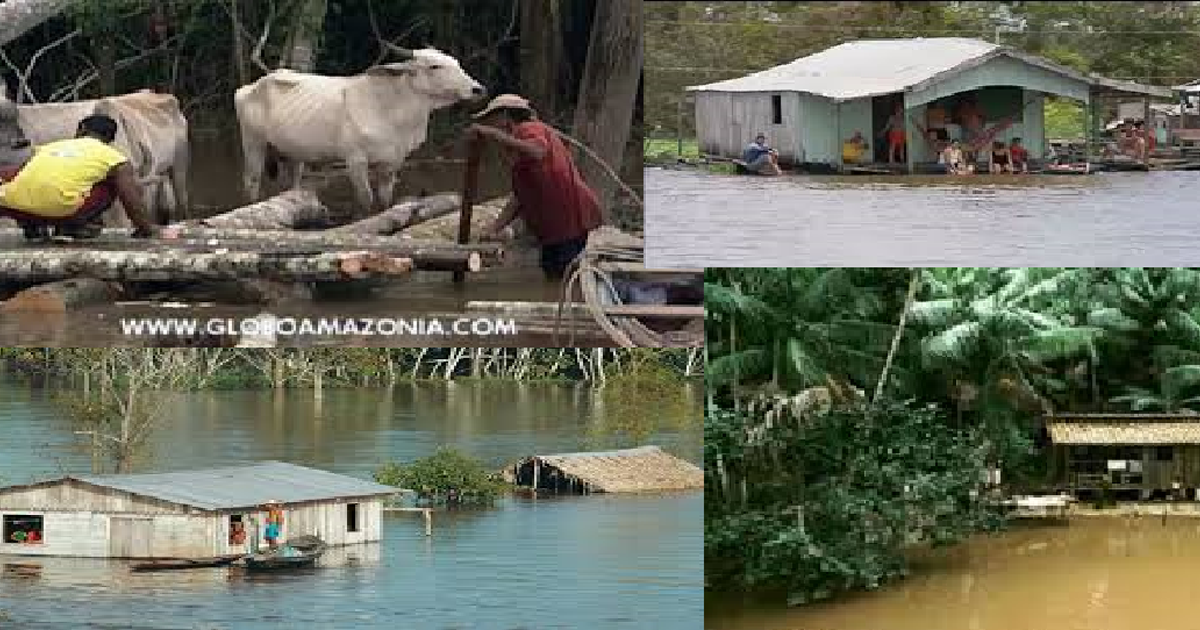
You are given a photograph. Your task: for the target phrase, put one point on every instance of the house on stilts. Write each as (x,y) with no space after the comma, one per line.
(642,469)
(810,107)
(186,514)
(1133,456)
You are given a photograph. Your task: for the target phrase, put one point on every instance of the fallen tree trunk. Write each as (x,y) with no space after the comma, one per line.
(292,209)
(62,296)
(48,265)
(445,228)
(209,240)
(403,215)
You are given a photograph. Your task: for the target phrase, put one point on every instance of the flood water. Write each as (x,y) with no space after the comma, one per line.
(696,218)
(552,562)
(1097,573)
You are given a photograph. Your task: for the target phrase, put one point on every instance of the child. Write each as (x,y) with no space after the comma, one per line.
(1000,162)
(1018,156)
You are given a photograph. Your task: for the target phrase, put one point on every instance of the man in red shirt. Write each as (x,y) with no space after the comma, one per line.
(549,193)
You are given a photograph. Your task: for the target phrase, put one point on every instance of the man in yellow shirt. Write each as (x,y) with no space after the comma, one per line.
(69,184)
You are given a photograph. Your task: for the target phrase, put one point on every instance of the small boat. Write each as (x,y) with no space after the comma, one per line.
(297,553)
(172,564)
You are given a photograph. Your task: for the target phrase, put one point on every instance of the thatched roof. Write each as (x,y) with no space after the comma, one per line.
(1138,429)
(642,469)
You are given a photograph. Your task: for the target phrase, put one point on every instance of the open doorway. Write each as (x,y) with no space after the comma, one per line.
(882,108)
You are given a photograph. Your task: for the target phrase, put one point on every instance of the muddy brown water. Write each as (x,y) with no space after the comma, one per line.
(696,218)
(1097,573)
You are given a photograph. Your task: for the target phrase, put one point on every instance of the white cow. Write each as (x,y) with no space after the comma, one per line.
(151,131)
(372,121)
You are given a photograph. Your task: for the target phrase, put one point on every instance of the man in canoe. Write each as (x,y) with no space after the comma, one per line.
(549,193)
(69,184)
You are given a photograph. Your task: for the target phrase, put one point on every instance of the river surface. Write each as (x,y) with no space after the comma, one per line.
(697,219)
(616,561)
(1097,573)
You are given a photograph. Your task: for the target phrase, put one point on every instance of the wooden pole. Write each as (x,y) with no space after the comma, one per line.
(470,184)
(428,522)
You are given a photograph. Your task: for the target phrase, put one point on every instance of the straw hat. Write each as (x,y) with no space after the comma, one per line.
(505,101)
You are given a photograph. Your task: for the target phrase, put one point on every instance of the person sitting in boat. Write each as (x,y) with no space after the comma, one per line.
(1018,156)
(854,149)
(894,133)
(761,158)
(952,159)
(1000,162)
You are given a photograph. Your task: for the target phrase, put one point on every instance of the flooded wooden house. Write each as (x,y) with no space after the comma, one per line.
(809,108)
(1136,456)
(186,514)
(642,469)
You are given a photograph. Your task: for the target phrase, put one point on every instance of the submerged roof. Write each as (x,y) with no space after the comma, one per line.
(245,485)
(1137,429)
(884,66)
(645,468)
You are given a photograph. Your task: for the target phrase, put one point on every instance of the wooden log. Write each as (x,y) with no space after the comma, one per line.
(426,254)
(292,209)
(51,264)
(447,227)
(62,296)
(402,215)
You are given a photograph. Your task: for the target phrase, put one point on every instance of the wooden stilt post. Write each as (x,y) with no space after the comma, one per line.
(470,184)
(537,467)
(428,522)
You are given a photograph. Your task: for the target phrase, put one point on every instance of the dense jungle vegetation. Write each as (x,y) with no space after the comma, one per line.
(879,397)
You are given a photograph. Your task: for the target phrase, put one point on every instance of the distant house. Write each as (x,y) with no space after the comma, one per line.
(642,469)
(810,106)
(188,514)
(1136,455)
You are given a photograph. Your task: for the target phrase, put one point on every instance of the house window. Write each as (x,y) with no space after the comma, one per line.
(24,529)
(352,524)
(237,529)
(1164,453)
(776,109)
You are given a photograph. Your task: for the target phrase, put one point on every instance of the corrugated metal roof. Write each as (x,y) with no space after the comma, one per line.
(1155,431)
(884,66)
(861,68)
(241,486)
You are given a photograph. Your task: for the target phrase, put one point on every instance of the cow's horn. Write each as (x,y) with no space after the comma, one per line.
(404,53)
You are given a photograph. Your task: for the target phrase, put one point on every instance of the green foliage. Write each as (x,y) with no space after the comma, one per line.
(1065,119)
(984,355)
(447,470)
(901,474)
(645,397)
